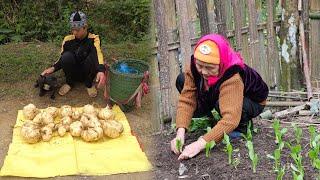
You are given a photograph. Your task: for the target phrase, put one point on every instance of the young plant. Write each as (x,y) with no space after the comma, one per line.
(298,134)
(179,145)
(216,115)
(314,148)
(280,170)
(199,124)
(229,148)
(248,136)
(252,155)
(279,133)
(209,145)
(295,153)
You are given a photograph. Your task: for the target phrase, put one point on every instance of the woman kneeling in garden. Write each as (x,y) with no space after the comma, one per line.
(217,78)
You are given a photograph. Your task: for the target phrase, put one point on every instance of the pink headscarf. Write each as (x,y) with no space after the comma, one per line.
(228,57)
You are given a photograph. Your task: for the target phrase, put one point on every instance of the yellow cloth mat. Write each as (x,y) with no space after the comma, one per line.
(67,155)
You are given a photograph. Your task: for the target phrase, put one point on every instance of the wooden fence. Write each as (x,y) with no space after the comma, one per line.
(266,32)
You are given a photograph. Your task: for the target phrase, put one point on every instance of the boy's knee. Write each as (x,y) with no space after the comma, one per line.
(67,58)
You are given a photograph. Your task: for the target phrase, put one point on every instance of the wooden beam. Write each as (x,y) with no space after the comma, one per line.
(203,15)
(164,69)
(253,34)
(184,32)
(221,17)
(237,24)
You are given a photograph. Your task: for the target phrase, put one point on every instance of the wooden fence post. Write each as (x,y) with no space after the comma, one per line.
(291,72)
(272,55)
(253,33)
(163,58)
(203,15)
(221,17)
(315,38)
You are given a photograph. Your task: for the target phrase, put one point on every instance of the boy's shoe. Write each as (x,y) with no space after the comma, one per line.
(64,89)
(92,92)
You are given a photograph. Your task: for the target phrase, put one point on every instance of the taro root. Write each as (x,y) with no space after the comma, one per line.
(76,128)
(30,111)
(89,109)
(65,110)
(112,128)
(76,114)
(53,111)
(106,114)
(46,133)
(43,118)
(30,132)
(92,134)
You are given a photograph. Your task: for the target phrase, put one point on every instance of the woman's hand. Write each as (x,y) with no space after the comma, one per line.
(180,136)
(193,149)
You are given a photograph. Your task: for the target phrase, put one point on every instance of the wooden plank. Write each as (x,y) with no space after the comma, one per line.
(193,17)
(164,70)
(263,64)
(245,37)
(229,14)
(272,50)
(203,15)
(173,60)
(244,31)
(211,16)
(184,32)
(253,34)
(314,5)
(314,37)
(237,24)
(221,17)
(154,79)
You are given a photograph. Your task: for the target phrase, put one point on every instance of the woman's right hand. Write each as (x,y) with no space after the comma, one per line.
(48,71)
(180,136)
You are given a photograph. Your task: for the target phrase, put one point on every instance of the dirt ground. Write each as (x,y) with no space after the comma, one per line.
(9,105)
(217,167)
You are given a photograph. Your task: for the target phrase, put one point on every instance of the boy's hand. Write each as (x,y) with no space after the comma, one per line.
(48,71)
(101,79)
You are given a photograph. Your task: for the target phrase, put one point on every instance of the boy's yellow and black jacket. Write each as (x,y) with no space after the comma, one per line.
(82,48)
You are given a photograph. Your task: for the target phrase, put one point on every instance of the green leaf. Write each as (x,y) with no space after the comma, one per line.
(179,145)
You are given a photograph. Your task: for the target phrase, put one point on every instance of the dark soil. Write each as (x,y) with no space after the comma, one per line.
(217,167)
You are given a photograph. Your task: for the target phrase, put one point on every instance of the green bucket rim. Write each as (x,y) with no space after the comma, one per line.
(114,71)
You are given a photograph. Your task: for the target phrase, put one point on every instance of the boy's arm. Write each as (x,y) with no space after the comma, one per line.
(97,47)
(57,65)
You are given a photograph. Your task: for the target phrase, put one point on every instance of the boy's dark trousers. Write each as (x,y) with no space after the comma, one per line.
(77,70)
(250,109)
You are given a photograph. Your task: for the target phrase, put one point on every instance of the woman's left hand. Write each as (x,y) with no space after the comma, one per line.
(193,149)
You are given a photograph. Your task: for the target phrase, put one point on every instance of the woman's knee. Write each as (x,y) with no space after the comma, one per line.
(180,82)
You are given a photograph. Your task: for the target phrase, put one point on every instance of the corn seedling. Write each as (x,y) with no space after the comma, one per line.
(280,170)
(179,145)
(229,148)
(216,115)
(314,147)
(295,153)
(298,133)
(252,155)
(279,133)
(209,145)
(248,136)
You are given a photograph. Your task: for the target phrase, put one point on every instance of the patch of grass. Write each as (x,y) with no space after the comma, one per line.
(20,62)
